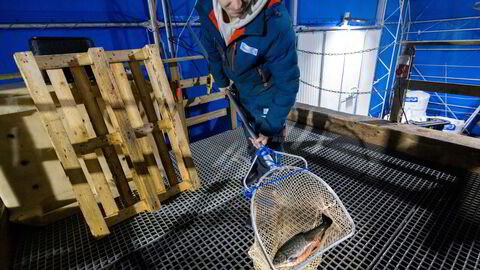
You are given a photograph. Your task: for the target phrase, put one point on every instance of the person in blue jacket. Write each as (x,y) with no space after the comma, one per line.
(251,47)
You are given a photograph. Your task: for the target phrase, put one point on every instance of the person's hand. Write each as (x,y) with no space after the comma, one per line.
(260,141)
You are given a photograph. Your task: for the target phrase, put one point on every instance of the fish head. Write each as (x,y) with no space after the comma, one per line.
(281,260)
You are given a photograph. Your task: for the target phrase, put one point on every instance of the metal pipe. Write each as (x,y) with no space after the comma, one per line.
(450,78)
(449,49)
(444,30)
(300,29)
(293,8)
(452,105)
(441,110)
(447,20)
(457,66)
(166,15)
(70,25)
(153,21)
(391,59)
(147,24)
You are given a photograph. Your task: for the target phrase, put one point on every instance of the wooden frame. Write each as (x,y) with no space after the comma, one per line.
(106,120)
(446,150)
(231,111)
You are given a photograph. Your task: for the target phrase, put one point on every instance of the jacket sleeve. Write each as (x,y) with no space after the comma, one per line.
(214,58)
(282,60)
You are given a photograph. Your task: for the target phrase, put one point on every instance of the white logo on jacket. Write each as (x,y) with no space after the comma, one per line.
(247,49)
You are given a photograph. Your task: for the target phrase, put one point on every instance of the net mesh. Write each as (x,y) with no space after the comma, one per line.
(292,205)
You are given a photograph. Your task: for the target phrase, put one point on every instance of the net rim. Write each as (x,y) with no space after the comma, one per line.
(318,253)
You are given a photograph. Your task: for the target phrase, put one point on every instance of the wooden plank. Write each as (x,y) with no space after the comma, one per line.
(10,76)
(79,134)
(93,144)
(203,99)
(181,187)
(158,135)
(449,88)
(441,42)
(177,136)
(58,135)
(179,99)
(185,58)
(205,117)
(57,61)
(137,122)
(110,93)
(127,213)
(165,113)
(444,149)
(399,93)
(186,83)
(233,114)
(83,85)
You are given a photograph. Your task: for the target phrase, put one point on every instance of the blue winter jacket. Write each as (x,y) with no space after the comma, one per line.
(260,59)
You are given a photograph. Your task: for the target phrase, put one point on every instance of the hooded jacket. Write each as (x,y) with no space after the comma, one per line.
(260,58)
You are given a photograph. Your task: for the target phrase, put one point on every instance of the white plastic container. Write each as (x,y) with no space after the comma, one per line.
(416,103)
(455,125)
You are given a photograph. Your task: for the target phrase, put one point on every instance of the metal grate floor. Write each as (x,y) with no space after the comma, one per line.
(407,215)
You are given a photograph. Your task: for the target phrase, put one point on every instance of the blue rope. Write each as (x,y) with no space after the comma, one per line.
(264,151)
(248,193)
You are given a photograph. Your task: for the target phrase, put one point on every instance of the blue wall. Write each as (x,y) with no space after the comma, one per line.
(56,11)
(428,57)
(329,12)
(450,62)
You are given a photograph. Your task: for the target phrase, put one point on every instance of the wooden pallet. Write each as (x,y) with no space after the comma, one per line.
(103,117)
(231,111)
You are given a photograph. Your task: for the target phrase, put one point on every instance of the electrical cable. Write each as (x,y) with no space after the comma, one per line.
(188,20)
(189,49)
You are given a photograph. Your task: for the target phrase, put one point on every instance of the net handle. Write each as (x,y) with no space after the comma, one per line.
(271,167)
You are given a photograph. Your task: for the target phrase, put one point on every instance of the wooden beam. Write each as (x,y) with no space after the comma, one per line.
(186,83)
(81,59)
(399,91)
(36,85)
(156,176)
(127,213)
(79,134)
(99,142)
(100,127)
(164,96)
(181,59)
(10,76)
(205,117)
(449,88)
(116,110)
(233,114)
(434,146)
(172,191)
(158,135)
(179,99)
(203,99)
(441,42)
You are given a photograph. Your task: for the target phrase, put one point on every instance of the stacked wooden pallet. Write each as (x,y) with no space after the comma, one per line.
(110,117)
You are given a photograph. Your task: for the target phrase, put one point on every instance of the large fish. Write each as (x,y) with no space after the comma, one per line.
(301,246)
